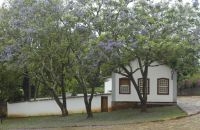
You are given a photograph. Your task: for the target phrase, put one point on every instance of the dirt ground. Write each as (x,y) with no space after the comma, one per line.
(186,123)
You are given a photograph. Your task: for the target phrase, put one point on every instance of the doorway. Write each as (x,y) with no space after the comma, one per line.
(104,103)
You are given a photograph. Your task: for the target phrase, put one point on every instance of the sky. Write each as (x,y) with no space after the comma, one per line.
(1,1)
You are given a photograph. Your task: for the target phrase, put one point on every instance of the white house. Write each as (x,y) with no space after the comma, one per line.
(162,87)
(108,85)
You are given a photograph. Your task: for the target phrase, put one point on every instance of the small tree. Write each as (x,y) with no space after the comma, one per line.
(88,62)
(88,75)
(87,65)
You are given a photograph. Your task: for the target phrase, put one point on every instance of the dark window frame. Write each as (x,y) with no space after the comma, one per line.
(129,84)
(158,80)
(148,87)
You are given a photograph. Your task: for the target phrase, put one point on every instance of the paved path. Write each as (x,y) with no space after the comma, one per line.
(189,104)
(186,123)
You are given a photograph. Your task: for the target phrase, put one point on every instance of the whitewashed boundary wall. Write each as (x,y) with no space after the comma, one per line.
(49,107)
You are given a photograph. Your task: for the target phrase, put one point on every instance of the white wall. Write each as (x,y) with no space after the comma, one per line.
(108,85)
(154,73)
(175,86)
(49,107)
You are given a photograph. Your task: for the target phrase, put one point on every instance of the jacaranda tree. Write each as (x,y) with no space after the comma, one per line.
(147,32)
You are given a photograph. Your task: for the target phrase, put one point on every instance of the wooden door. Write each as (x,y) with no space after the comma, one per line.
(104,104)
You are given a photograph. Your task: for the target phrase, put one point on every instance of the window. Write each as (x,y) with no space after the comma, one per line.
(163,86)
(140,84)
(124,86)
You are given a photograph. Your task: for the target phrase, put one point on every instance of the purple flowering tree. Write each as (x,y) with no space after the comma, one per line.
(43,30)
(88,62)
(146,31)
(88,75)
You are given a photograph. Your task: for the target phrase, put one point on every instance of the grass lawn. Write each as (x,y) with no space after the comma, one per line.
(106,118)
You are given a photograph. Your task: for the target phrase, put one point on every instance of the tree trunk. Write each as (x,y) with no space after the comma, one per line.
(63,109)
(143,106)
(136,87)
(36,92)
(142,98)
(144,101)
(95,82)
(144,73)
(89,111)
(87,103)
(25,85)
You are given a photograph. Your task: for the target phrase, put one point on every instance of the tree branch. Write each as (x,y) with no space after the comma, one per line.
(140,65)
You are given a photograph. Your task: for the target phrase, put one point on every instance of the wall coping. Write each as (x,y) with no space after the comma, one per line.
(51,98)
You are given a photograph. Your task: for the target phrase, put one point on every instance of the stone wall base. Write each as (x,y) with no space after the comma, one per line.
(118,105)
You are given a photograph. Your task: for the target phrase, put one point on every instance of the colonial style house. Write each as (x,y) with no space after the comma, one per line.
(161,87)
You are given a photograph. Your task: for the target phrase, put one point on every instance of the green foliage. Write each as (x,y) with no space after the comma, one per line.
(195,77)
(98,90)
(10,89)
(165,33)
(190,81)
(44,92)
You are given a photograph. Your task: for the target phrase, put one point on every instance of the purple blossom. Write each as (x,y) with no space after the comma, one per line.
(132,40)
(26,11)
(128,1)
(16,23)
(56,8)
(8,52)
(29,39)
(70,5)
(29,30)
(106,1)
(93,58)
(71,2)
(143,32)
(110,45)
(17,3)
(123,15)
(81,27)
(82,1)
(158,5)
(195,3)
(80,13)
